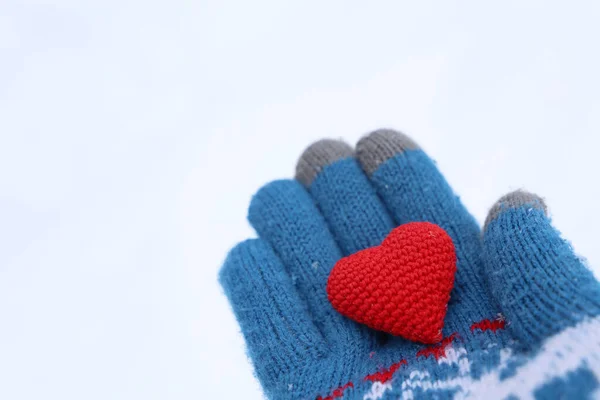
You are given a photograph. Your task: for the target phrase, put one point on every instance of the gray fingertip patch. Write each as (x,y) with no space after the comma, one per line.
(379,146)
(515,199)
(319,155)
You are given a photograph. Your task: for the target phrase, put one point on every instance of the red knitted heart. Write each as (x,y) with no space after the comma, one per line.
(402,286)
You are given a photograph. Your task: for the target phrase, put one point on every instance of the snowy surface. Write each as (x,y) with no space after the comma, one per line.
(133,133)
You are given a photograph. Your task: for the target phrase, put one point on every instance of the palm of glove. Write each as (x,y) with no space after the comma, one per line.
(516,285)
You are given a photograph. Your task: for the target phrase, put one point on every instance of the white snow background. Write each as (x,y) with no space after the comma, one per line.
(133,133)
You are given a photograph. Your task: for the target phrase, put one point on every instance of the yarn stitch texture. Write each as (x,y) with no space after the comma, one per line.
(401,287)
(523,319)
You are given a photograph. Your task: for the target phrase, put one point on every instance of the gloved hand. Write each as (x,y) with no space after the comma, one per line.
(522,320)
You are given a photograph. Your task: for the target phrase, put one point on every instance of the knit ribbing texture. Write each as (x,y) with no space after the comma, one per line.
(522,321)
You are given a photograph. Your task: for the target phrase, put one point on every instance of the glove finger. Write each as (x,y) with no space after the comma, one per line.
(540,284)
(413,189)
(354,213)
(284,215)
(278,329)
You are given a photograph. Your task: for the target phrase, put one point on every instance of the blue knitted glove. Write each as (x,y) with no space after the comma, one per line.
(522,321)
